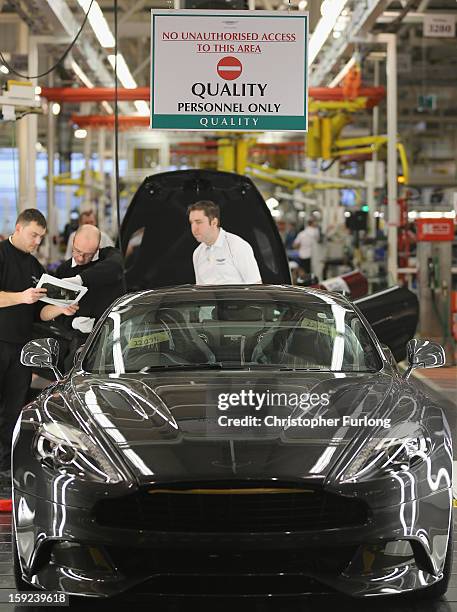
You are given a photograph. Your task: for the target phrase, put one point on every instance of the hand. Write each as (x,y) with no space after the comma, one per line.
(69,311)
(32,295)
(83,324)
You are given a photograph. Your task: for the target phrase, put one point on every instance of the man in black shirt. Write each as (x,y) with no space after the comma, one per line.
(101,271)
(19,308)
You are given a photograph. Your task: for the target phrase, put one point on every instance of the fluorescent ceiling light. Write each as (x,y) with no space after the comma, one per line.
(342,73)
(142,107)
(123,72)
(82,76)
(80,133)
(4,69)
(98,22)
(107,107)
(324,26)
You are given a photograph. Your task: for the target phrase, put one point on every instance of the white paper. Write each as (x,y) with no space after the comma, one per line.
(70,292)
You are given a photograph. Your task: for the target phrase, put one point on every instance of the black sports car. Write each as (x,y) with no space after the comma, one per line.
(257,431)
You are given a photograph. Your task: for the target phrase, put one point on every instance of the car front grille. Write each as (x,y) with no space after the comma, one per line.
(212,510)
(215,562)
(243,587)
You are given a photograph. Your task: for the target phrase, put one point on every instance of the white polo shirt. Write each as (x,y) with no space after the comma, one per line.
(229,261)
(305,240)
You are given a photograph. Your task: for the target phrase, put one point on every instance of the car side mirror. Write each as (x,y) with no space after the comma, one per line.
(42,353)
(424,354)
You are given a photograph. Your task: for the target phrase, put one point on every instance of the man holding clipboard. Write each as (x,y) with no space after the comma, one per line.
(19,308)
(101,271)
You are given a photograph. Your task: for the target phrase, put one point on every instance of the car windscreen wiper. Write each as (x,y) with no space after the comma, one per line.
(178,366)
(291,369)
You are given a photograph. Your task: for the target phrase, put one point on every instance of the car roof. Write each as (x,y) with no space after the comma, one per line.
(186,293)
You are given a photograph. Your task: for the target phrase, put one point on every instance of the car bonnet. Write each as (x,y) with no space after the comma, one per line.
(173,426)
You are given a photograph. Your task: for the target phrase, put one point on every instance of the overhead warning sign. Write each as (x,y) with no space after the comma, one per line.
(435,230)
(236,70)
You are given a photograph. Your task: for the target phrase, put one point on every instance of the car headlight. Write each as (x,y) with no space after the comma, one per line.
(398,451)
(70,450)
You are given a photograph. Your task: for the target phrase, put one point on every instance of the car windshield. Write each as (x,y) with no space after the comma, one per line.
(314,332)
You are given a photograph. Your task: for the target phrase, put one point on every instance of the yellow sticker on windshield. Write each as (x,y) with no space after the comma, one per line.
(319,327)
(149,340)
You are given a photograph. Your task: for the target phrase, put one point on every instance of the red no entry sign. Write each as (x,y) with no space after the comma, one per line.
(229,68)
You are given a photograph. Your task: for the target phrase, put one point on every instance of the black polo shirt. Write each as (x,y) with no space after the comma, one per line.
(18,271)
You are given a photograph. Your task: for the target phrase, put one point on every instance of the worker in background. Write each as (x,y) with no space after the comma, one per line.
(289,236)
(19,308)
(87,218)
(71,226)
(98,268)
(221,258)
(304,242)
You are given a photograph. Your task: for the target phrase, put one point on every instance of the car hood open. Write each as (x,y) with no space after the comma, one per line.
(166,426)
(156,237)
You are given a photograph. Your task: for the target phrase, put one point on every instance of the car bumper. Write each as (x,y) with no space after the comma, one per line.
(63,548)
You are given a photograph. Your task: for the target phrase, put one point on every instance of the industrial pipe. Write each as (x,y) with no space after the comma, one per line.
(99,94)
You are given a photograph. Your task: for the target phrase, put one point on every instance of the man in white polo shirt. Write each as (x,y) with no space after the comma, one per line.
(221,258)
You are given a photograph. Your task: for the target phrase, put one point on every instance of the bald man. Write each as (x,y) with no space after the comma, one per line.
(98,269)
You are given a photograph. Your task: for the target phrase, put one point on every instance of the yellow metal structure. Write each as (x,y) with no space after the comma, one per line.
(65,179)
(226,154)
(314,148)
(327,120)
(404,163)
(348,106)
(232,153)
(370,144)
(270,175)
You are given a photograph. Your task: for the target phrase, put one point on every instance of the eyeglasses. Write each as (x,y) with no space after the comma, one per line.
(81,254)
